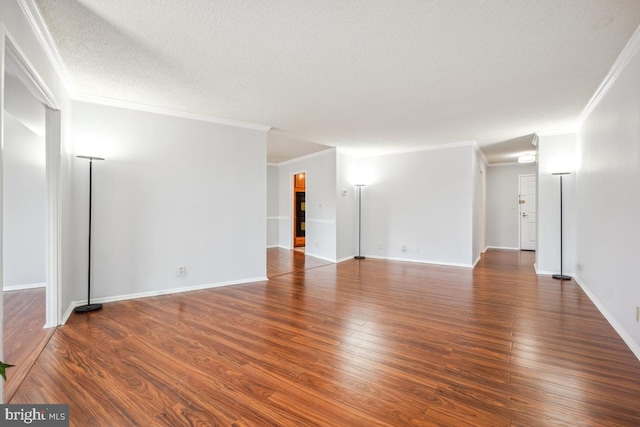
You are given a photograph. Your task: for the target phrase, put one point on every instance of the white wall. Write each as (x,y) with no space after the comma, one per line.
(347,208)
(502,204)
(23,105)
(608,202)
(556,153)
(24,187)
(320,200)
(273,200)
(24,205)
(479,212)
(422,200)
(172,192)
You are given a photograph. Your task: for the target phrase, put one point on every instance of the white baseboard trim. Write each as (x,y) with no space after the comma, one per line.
(320,257)
(23,287)
(69,310)
(551,273)
(347,258)
(420,261)
(476,261)
(507,248)
(633,346)
(156,293)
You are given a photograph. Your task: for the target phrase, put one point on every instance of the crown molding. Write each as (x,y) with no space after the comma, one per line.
(555,132)
(417,149)
(626,55)
(306,157)
(437,147)
(39,27)
(168,112)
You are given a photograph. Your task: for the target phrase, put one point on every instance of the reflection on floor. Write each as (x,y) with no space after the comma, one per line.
(359,343)
(24,336)
(283,261)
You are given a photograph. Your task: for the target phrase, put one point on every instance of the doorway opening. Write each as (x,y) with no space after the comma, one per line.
(299,210)
(482,213)
(32,156)
(527,223)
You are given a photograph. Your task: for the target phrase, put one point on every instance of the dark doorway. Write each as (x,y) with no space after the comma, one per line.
(299,209)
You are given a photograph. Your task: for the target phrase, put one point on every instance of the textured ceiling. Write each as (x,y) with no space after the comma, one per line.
(367,76)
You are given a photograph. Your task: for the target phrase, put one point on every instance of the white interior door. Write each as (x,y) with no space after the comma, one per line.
(527,212)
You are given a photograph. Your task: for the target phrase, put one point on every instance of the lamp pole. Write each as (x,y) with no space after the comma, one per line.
(89,307)
(359,256)
(561,276)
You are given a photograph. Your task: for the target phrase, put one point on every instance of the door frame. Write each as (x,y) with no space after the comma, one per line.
(519,213)
(483,212)
(292,205)
(13,57)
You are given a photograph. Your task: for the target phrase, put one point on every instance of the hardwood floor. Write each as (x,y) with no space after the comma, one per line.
(360,343)
(24,336)
(283,261)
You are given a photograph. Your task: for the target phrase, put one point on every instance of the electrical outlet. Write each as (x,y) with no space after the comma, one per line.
(637,314)
(417,248)
(404,248)
(380,245)
(182,270)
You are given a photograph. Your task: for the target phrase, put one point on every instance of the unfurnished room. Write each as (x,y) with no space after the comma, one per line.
(317,213)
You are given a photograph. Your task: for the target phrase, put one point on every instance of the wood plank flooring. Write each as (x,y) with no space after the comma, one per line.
(360,343)
(24,336)
(282,261)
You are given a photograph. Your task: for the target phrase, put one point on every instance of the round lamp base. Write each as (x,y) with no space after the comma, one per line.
(87,308)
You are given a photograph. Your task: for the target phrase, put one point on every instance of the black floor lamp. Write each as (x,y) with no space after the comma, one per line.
(359,256)
(89,307)
(561,276)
